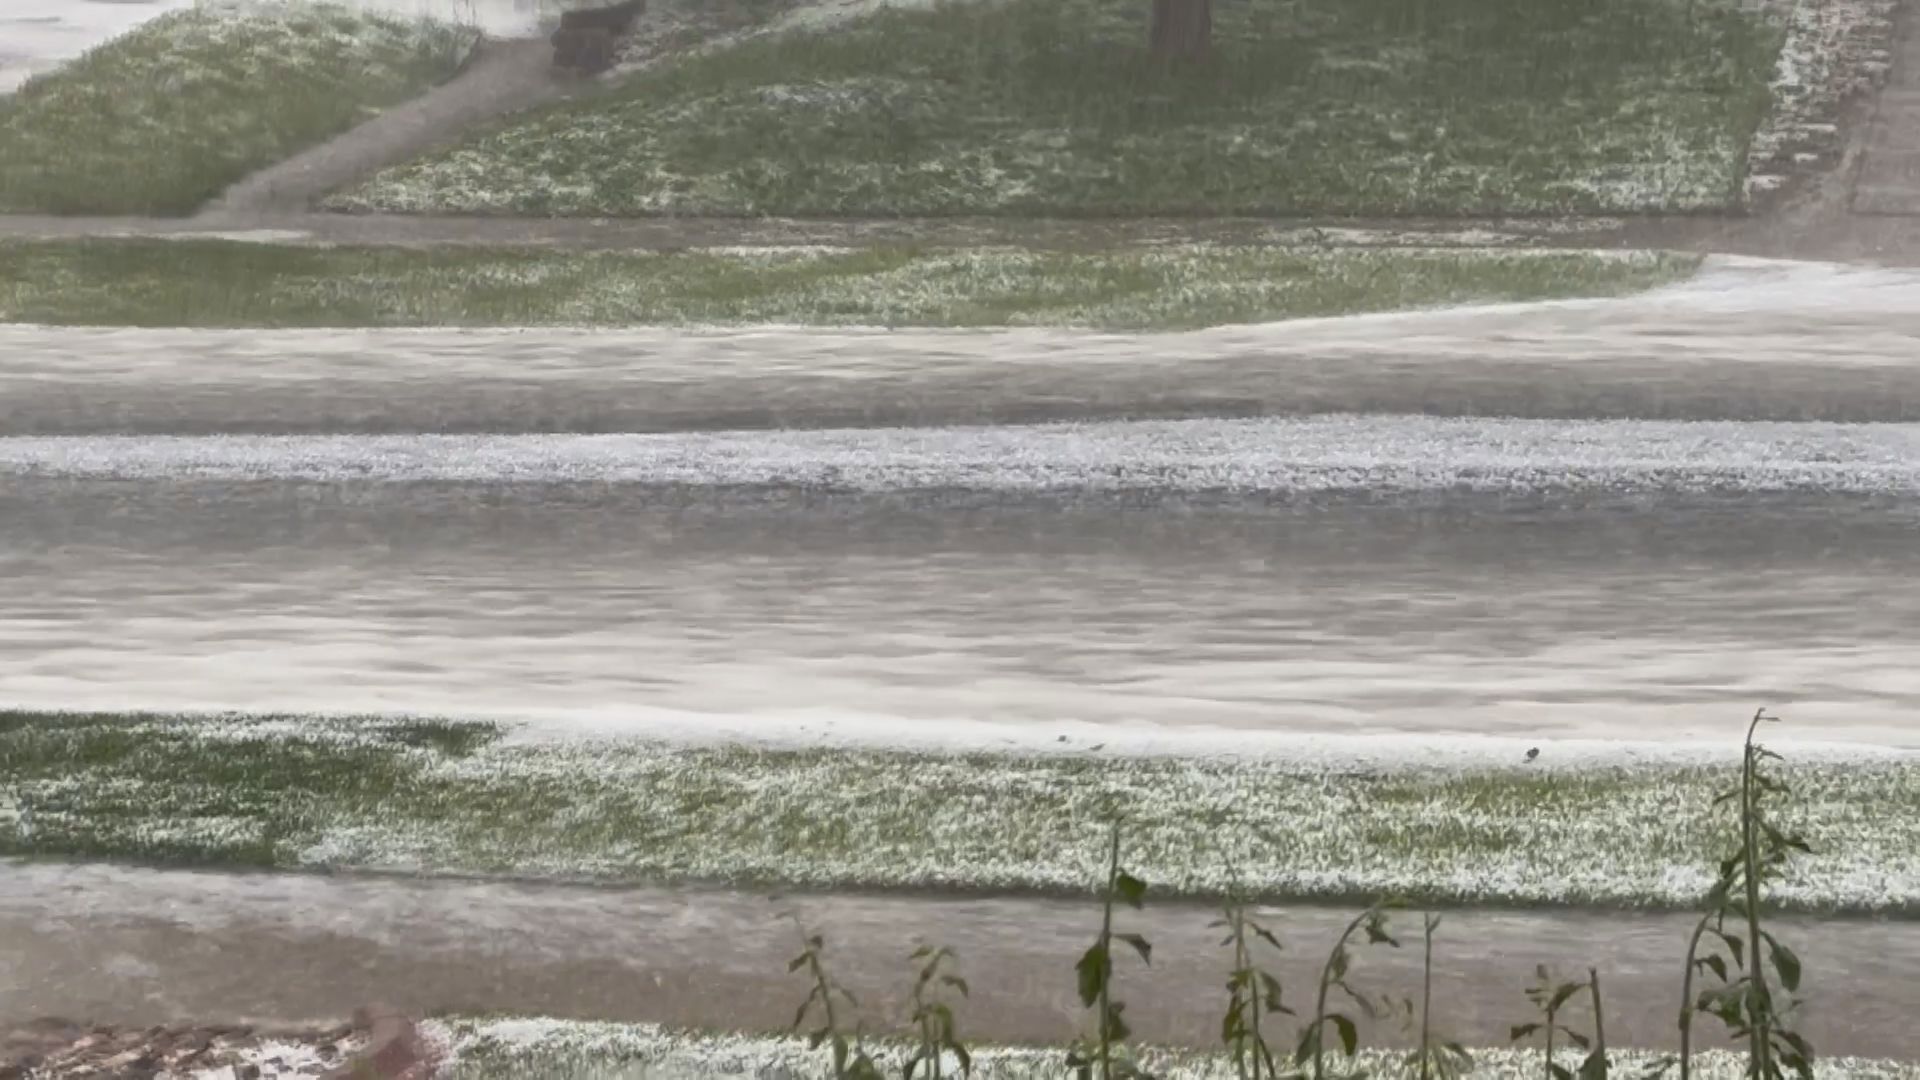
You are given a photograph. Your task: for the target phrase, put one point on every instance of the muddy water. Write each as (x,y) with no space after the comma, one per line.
(149,947)
(1747,341)
(1650,616)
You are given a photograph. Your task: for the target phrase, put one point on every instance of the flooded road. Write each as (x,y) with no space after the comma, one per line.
(1645,613)
(1747,340)
(1650,581)
(155,946)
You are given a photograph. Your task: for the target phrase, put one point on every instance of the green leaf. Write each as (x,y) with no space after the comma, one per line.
(1366,1004)
(1660,1068)
(1786,963)
(1560,1072)
(1377,931)
(1117,1028)
(1266,1055)
(1270,987)
(1595,1066)
(1713,964)
(1131,890)
(1140,945)
(1266,935)
(965,1059)
(1095,969)
(1562,994)
(956,982)
(796,963)
(1576,1038)
(1349,1035)
(1521,1031)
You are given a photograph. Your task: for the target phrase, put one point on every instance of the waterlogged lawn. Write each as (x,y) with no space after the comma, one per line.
(1050,106)
(469,798)
(164,117)
(230,284)
(540,1049)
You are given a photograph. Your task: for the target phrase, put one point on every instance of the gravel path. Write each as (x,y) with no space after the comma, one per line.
(140,946)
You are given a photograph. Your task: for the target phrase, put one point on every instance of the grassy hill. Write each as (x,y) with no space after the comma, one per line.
(163,118)
(1052,107)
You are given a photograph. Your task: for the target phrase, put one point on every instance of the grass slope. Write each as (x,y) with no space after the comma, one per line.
(226,284)
(536,1049)
(163,118)
(1050,106)
(457,797)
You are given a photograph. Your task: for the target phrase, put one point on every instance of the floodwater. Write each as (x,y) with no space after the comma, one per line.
(1647,581)
(1748,340)
(158,946)
(1644,614)
(39,35)
(1552,577)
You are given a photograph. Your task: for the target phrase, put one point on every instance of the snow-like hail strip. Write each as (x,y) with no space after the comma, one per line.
(1378,454)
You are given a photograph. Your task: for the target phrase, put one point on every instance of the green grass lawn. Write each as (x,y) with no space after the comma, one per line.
(232,284)
(163,118)
(461,798)
(1051,106)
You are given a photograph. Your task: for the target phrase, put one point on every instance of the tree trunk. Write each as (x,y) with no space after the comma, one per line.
(1182,29)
